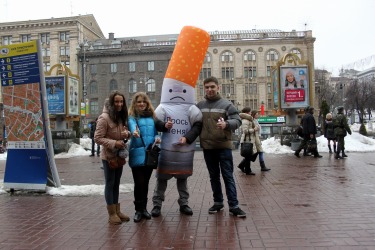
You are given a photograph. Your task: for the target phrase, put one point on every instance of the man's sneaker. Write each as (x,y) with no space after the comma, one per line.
(237,212)
(215,208)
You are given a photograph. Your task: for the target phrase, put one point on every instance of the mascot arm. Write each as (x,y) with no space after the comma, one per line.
(194,132)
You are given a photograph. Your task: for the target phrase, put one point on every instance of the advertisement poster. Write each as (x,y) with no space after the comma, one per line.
(294,85)
(55,86)
(275,86)
(73,96)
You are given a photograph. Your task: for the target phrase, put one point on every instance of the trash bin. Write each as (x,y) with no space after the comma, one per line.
(294,144)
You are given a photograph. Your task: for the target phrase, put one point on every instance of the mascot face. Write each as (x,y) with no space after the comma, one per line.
(174,91)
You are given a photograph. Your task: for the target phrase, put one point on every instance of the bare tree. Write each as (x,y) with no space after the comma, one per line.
(359,96)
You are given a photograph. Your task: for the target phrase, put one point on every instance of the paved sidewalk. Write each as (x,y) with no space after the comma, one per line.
(302,203)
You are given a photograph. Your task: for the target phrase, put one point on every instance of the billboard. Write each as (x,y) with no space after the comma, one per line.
(294,86)
(73,102)
(55,86)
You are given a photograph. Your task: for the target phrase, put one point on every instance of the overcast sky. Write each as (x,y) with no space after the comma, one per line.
(344,29)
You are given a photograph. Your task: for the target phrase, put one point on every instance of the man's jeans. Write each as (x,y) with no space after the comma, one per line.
(221,160)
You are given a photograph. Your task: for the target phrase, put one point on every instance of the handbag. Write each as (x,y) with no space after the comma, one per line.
(246,148)
(312,145)
(116,162)
(152,154)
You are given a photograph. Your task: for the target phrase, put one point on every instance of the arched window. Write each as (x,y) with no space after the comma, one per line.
(272,55)
(249,56)
(297,52)
(207,58)
(227,56)
(113,85)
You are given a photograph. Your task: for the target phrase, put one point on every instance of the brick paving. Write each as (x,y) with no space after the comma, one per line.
(302,203)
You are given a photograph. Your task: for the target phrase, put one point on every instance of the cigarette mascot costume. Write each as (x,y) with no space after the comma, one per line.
(178,105)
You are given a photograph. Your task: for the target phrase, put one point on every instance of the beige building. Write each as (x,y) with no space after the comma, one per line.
(241,60)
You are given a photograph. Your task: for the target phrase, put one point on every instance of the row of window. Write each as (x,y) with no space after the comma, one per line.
(44,38)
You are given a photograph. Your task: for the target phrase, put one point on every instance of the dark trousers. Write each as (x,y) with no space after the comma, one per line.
(93,147)
(141,177)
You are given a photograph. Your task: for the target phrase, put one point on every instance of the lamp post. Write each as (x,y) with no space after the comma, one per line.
(82,48)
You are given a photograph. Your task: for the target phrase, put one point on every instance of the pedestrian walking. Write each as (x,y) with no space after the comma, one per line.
(329,133)
(341,126)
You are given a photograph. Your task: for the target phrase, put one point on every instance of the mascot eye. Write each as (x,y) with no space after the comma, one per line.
(184,91)
(170,90)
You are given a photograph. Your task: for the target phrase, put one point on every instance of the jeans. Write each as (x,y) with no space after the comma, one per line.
(112,183)
(141,178)
(221,160)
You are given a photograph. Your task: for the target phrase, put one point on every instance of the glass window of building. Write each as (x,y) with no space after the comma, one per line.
(269,89)
(64,36)
(227,73)
(132,86)
(132,67)
(113,67)
(93,69)
(46,51)
(250,72)
(94,107)
(7,40)
(204,73)
(46,66)
(249,56)
(151,66)
(64,51)
(25,38)
(113,85)
(150,85)
(93,87)
(207,58)
(227,56)
(44,38)
(272,55)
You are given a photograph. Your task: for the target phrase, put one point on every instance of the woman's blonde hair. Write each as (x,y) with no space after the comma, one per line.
(132,109)
(329,116)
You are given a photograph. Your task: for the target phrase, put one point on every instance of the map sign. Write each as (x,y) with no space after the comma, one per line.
(26,118)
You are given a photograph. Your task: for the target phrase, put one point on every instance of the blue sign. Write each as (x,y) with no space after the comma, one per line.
(55,86)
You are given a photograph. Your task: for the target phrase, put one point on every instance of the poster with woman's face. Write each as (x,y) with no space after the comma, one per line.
(294,86)
(73,96)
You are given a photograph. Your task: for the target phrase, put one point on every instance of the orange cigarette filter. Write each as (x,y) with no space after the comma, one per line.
(188,55)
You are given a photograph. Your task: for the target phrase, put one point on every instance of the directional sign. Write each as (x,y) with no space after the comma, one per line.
(19,64)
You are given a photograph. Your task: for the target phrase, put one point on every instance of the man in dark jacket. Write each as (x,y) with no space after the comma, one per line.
(309,131)
(92,133)
(341,126)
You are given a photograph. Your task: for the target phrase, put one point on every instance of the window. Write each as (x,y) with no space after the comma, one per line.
(201,89)
(269,90)
(268,71)
(46,52)
(150,66)
(227,57)
(207,58)
(44,38)
(93,88)
(7,40)
(64,51)
(227,73)
(252,103)
(132,67)
(64,36)
(150,85)
(205,73)
(297,52)
(46,66)
(269,102)
(93,69)
(250,72)
(272,55)
(251,89)
(227,89)
(132,86)
(94,107)
(25,38)
(113,85)
(249,56)
(113,67)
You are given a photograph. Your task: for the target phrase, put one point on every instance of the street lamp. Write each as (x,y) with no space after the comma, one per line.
(82,48)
